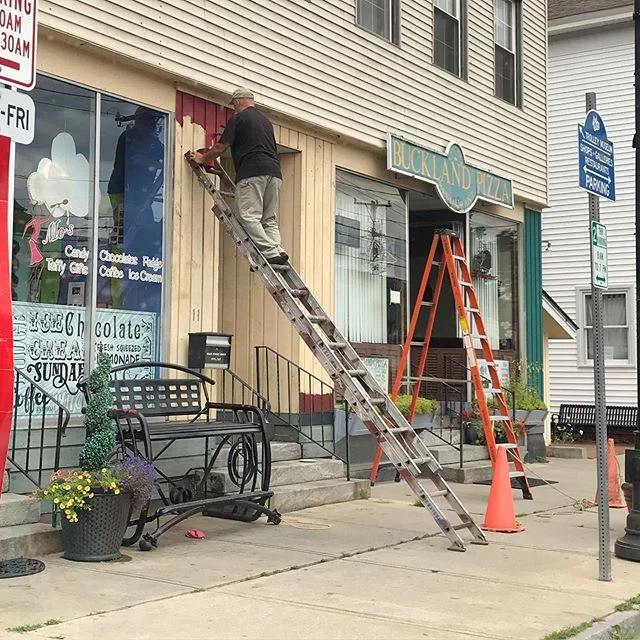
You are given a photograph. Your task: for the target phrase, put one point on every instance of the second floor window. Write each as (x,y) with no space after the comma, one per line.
(506,41)
(447,32)
(381,17)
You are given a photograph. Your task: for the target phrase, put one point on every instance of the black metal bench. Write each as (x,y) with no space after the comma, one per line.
(152,413)
(621,419)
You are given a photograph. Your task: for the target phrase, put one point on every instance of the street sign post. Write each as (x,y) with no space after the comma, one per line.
(597,176)
(599,265)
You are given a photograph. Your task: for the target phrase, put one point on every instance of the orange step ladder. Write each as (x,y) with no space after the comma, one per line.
(451,261)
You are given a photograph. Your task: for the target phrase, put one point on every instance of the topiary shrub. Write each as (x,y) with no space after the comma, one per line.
(100,428)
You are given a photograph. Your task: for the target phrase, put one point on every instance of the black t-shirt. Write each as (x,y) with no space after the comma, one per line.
(253,145)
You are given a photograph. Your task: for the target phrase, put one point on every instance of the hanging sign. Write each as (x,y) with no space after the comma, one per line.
(460,185)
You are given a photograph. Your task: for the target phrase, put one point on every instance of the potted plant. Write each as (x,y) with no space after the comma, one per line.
(425,411)
(472,425)
(96,500)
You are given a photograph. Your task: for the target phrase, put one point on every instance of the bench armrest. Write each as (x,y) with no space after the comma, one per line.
(233,406)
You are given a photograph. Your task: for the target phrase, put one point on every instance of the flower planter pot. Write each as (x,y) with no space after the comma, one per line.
(423,421)
(536,417)
(98,534)
(470,434)
(522,414)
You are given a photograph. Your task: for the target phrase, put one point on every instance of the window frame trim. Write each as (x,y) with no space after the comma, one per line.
(394,22)
(581,337)
(462,21)
(518,34)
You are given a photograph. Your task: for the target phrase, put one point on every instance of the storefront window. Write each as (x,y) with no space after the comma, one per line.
(493,257)
(87,267)
(371,260)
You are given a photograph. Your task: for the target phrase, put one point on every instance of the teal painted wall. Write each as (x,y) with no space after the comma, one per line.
(533,298)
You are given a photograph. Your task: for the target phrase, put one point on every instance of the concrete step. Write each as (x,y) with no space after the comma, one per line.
(445,454)
(15,510)
(313,494)
(28,540)
(281,451)
(307,470)
(480,471)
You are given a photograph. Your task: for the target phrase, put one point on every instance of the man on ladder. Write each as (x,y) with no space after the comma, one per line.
(250,135)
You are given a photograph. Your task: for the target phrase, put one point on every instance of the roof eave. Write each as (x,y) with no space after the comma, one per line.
(585,21)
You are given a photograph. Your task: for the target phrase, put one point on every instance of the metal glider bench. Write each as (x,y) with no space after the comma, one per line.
(153,413)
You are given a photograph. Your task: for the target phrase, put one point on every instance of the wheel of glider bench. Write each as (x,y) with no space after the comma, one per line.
(147,543)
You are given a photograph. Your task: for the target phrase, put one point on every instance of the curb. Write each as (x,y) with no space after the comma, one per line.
(560,451)
(626,620)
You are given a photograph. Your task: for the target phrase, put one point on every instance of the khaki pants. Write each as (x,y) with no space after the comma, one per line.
(257,206)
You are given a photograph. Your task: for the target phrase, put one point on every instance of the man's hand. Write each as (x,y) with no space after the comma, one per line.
(199,158)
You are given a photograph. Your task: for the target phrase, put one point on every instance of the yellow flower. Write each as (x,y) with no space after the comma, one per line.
(87,488)
(67,487)
(117,491)
(91,495)
(56,500)
(113,485)
(46,492)
(103,471)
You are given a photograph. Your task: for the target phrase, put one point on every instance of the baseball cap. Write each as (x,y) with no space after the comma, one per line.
(242,92)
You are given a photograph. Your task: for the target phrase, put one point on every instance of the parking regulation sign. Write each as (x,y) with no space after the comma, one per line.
(595,157)
(18,36)
(600,271)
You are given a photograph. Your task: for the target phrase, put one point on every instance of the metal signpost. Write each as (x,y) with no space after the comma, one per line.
(596,167)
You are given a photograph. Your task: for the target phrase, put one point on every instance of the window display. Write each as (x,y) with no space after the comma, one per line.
(88,263)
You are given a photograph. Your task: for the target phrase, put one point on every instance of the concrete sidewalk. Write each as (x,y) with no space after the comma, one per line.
(367,569)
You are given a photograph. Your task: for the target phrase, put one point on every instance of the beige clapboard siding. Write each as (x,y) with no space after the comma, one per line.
(307,59)
(601,62)
(247,310)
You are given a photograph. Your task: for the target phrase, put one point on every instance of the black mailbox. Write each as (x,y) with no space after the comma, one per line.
(209,350)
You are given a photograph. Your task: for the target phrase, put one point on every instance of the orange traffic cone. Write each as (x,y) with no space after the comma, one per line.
(615,494)
(501,513)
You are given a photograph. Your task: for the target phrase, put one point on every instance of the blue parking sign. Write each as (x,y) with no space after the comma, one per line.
(595,157)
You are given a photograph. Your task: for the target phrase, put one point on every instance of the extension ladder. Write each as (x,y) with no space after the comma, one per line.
(451,261)
(410,456)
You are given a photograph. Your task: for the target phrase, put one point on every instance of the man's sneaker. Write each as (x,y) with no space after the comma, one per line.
(285,255)
(283,258)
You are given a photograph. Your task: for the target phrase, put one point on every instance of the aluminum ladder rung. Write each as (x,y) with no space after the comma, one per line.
(299,293)
(355,373)
(377,401)
(227,194)
(318,319)
(499,418)
(427,304)
(337,345)
(462,525)
(508,445)
(399,429)
(472,310)
(466,284)
(516,474)
(280,267)
(438,494)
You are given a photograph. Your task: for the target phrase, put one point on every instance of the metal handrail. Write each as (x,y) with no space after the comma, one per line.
(31,410)
(271,369)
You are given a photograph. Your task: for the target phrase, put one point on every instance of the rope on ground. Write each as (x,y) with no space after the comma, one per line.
(579,504)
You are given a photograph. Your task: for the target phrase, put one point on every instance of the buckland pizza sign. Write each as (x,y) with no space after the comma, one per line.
(18,35)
